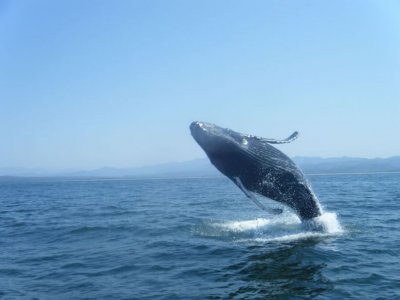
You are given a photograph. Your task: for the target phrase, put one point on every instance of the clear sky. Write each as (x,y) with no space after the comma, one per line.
(86,84)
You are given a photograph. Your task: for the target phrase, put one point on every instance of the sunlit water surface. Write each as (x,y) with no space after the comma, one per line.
(196,239)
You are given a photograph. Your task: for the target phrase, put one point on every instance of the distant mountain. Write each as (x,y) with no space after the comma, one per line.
(203,168)
(192,168)
(317,165)
(25,172)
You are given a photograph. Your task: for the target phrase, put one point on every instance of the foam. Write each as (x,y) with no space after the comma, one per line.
(284,220)
(329,222)
(285,227)
(240,226)
(290,237)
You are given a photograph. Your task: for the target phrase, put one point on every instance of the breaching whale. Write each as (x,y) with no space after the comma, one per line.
(257,167)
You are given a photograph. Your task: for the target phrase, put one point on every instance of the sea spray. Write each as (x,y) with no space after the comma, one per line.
(329,223)
(284,227)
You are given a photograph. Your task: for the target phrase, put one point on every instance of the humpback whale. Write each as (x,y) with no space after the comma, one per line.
(257,167)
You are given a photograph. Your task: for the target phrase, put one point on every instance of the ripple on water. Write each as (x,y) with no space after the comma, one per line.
(196,239)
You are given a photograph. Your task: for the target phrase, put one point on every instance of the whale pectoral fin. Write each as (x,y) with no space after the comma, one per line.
(274,211)
(289,139)
(239,183)
(277,211)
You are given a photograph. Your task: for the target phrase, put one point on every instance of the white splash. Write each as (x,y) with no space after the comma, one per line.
(329,223)
(285,227)
(290,237)
(240,226)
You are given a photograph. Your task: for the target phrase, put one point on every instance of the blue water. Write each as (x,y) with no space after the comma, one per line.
(195,239)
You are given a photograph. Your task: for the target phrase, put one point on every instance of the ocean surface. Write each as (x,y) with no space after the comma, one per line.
(196,239)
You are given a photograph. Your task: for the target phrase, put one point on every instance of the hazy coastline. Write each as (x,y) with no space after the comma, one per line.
(202,168)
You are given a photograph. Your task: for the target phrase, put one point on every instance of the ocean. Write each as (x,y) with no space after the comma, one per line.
(71,238)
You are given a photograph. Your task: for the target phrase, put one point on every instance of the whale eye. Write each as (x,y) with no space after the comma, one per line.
(244,142)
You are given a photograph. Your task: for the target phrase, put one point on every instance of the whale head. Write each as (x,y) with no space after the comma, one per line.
(223,146)
(214,139)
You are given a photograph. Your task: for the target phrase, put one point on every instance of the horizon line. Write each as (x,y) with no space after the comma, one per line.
(78,169)
(138,178)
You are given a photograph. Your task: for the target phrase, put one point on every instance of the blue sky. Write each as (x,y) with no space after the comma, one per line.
(86,84)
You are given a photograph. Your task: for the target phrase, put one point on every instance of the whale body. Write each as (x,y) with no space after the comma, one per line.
(257,167)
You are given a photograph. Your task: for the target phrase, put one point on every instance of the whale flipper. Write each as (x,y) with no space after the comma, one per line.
(289,139)
(274,211)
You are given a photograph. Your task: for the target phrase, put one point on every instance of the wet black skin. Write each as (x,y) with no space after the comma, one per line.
(261,168)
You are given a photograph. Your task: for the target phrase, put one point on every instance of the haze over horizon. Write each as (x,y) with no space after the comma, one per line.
(91,84)
(174,165)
